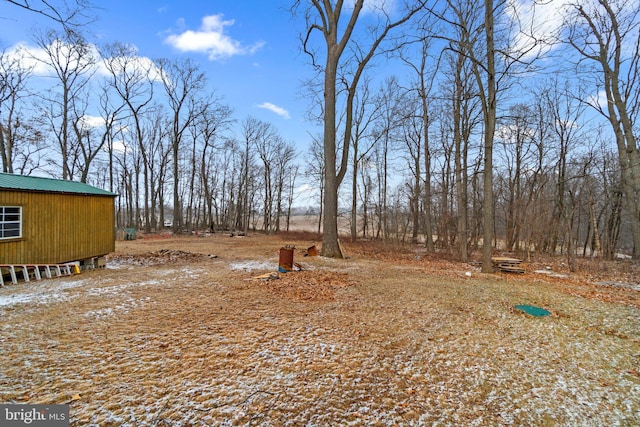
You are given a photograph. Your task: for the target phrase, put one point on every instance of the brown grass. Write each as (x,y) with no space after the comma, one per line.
(386,337)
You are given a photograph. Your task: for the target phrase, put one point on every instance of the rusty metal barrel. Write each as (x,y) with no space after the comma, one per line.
(285,262)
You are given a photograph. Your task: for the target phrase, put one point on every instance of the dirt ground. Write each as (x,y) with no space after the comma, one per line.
(182,331)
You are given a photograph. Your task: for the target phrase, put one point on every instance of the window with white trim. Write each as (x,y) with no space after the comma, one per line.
(10,222)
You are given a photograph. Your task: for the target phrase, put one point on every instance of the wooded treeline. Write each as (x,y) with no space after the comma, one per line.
(156,133)
(556,184)
(162,140)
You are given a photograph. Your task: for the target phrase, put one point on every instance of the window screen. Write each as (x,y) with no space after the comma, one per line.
(10,222)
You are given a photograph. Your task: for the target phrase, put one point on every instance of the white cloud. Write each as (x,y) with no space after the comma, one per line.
(509,133)
(119,146)
(31,57)
(211,39)
(132,64)
(274,108)
(539,22)
(37,60)
(599,100)
(92,121)
(373,6)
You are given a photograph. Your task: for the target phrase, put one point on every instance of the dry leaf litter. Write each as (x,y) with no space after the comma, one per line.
(183,338)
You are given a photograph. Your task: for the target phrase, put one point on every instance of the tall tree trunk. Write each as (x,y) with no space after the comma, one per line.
(489,132)
(428,226)
(460,171)
(330,246)
(354,195)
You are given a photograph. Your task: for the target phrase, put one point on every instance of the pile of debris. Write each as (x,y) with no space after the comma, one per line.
(507,264)
(160,257)
(306,285)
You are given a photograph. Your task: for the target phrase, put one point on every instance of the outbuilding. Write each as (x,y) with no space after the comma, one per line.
(50,221)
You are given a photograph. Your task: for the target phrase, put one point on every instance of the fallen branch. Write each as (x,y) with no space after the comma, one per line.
(157,417)
(257,392)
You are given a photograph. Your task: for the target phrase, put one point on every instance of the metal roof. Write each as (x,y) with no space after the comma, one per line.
(34,183)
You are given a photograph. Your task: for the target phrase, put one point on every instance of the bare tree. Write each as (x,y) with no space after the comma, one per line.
(465,119)
(72,60)
(13,84)
(515,138)
(424,78)
(565,109)
(314,173)
(292,178)
(412,127)
(386,127)
(463,115)
(130,78)
(183,83)
(243,207)
(213,123)
(325,17)
(109,114)
(204,132)
(261,137)
(284,175)
(70,14)
(481,52)
(610,212)
(443,160)
(159,151)
(366,194)
(606,35)
(537,222)
(484,69)
(268,145)
(364,117)
(29,146)
(227,187)
(493,60)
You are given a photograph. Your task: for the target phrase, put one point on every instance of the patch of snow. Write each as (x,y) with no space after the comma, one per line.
(191,273)
(26,293)
(9,300)
(109,289)
(125,307)
(45,292)
(551,274)
(632,286)
(117,289)
(254,265)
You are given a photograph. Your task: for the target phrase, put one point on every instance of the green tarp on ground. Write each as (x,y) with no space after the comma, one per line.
(533,310)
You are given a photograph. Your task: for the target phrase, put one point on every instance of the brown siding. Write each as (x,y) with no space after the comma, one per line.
(59,227)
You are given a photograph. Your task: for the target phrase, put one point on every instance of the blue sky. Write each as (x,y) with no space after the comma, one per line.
(249,50)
